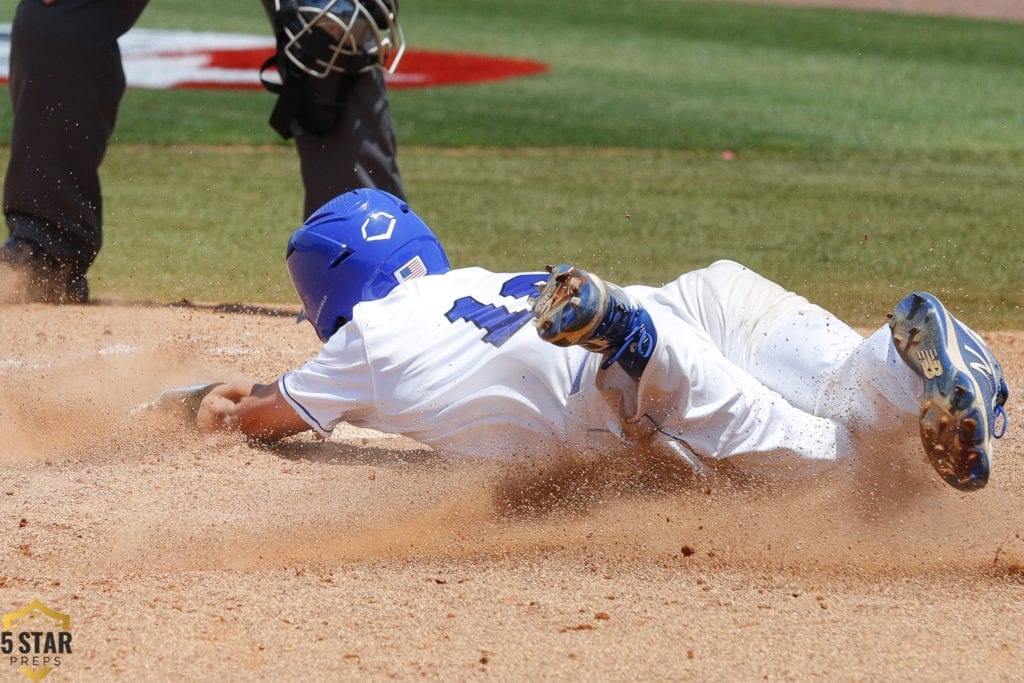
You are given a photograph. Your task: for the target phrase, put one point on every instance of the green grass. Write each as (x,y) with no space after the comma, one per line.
(660,74)
(877,153)
(681,75)
(853,234)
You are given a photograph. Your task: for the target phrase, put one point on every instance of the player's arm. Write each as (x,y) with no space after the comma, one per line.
(256,410)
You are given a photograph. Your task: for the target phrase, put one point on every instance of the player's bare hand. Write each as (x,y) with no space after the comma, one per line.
(219,408)
(257,410)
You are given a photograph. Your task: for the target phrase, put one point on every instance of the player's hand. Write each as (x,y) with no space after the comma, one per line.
(218,410)
(259,411)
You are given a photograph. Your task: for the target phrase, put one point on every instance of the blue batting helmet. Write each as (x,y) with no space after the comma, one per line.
(358,247)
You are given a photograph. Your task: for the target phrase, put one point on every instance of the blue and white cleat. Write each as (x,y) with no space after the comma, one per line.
(964,389)
(575,307)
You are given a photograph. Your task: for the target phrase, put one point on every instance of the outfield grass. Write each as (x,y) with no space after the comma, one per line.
(875,153)
(853,233)
(660,74)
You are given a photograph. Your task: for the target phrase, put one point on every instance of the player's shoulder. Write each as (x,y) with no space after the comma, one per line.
(478,278)
(422,296)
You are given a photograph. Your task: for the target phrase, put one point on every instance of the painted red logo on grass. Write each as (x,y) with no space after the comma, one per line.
(184,59)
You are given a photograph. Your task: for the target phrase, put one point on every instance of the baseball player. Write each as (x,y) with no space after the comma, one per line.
(719,365)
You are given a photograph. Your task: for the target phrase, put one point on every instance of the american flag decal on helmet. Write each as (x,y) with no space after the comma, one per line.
(414,268)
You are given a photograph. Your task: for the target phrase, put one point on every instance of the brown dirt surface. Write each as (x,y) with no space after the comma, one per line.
(365,556)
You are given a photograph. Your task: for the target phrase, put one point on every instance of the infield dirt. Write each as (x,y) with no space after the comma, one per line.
(365,556)
(198,557)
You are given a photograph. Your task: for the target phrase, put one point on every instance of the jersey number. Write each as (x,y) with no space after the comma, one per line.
(499,322)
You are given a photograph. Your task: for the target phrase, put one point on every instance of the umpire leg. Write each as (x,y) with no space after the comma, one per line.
(66,82)
(360,151)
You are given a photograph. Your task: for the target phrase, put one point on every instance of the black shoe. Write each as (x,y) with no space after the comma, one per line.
(50,280)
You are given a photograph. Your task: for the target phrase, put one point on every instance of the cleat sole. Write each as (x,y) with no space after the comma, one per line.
(951,409)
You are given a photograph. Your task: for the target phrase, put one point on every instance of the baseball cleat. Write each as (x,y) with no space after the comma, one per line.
(575,307)
(964,389)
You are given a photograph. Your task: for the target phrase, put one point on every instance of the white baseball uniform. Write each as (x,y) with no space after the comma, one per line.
(742,370)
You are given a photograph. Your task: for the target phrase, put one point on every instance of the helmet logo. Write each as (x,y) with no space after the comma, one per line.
(378,226)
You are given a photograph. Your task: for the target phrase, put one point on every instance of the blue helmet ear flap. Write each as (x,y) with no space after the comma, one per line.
(358,247)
